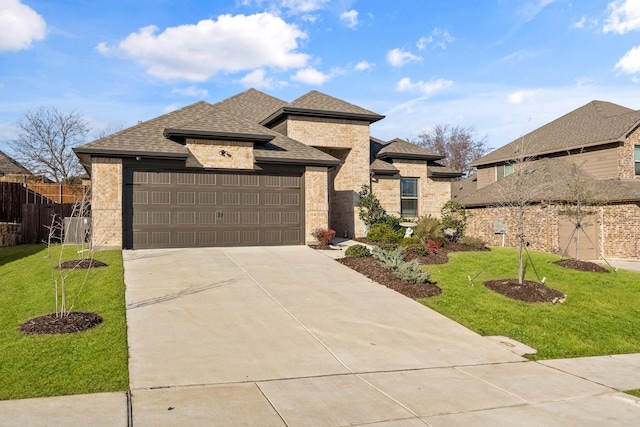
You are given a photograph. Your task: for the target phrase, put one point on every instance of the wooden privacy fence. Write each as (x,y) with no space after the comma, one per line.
(34,204)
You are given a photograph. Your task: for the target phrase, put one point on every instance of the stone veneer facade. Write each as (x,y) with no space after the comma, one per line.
(222,154)
(352,136)
(626,155)
(106,202)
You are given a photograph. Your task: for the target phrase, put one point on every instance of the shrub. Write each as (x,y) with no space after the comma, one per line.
(413,240)
(323,235)
(473,242)
(369,208)
(390,259)
(357,251)
(453,218)
(415,249)
(392,221)
(410,272)
(433,245)
(382,232)
(428,228)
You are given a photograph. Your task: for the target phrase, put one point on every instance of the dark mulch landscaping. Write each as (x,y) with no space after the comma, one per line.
(81,263)
(581,265)
(371,268)
(528,291)
(51,324)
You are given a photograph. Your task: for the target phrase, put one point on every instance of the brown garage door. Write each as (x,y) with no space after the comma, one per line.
(182,209)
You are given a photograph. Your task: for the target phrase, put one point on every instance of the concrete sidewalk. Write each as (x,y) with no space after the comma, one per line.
(287,337)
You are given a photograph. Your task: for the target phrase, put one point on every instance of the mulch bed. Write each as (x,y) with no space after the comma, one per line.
(371,268)
(528,291)
(574,264)
(51,324)
(81,263)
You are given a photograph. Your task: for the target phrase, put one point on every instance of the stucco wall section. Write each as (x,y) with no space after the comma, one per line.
(106,202)
(347,179)
(222,154)
(316,201)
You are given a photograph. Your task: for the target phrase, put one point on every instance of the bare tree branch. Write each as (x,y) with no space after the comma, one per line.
(45,141)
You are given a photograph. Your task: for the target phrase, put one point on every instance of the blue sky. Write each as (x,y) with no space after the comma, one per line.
(503,67)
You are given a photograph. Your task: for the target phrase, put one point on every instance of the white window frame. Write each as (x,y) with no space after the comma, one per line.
(404,196)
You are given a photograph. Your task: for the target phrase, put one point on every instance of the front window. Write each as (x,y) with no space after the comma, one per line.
(637,158)
(409,197)
(504,170)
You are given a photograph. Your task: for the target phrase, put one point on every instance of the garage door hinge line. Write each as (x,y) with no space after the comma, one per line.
(290,313)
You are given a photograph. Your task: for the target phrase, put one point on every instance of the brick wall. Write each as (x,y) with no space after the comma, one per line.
(353,137)
(316,201)
(106,202)
(387,190)
(626,156)
(222,154)
(619,228)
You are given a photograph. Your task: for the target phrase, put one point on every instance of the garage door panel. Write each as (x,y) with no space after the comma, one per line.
(207,209)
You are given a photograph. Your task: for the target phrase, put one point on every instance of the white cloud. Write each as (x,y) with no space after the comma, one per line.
(192,91)
(301,6)
(311,76)
(20,26)
(624,16)
(522,96)
(232,43)
(580,23)
(585,82)
(171,107)
(440,38)
(398,57)
(630,62)
(532,8)
(363,66)
(350,18)
(258,79)
(427,88)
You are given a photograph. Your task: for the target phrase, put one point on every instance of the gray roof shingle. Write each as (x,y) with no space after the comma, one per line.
(401,149)
(9,166)
(595,123)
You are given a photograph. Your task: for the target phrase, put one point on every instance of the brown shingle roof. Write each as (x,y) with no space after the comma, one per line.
(235,116)
(548,179)
(400,149)
(9,166)
(595,123)
(383,168)
(318,104)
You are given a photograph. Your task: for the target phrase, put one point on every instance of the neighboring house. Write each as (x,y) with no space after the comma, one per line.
(11,170)
(603,140)
(252,170)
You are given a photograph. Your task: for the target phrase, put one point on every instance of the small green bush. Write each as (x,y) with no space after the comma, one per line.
(408,241)
(390,259)
(383,232)
(473,242)
(415,249)
(428,228)
(453,217)
(410,272)
(357,251)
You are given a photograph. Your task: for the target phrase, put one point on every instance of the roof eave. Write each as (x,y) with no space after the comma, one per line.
(129,153)
(222,136)
(305,162)
(407,156)
(288,111)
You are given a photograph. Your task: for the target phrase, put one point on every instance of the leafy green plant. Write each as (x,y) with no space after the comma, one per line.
(415,249)
(453,216)
(390,259)
(357,251)
(408,241)
(410,272)
(369,208)
(428,228)
(382,232)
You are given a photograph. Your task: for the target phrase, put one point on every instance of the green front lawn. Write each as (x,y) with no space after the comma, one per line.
(91,361)
(600,316)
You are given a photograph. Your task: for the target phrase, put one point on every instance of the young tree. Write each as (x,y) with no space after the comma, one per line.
(369,208)
(45,141)
(457,144)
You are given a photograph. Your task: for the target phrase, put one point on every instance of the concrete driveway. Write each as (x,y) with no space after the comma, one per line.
(286,336)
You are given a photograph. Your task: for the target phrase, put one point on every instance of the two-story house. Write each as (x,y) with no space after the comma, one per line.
(253,170)
(603,139)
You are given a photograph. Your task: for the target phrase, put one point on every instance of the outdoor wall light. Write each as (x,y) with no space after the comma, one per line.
(225,153)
